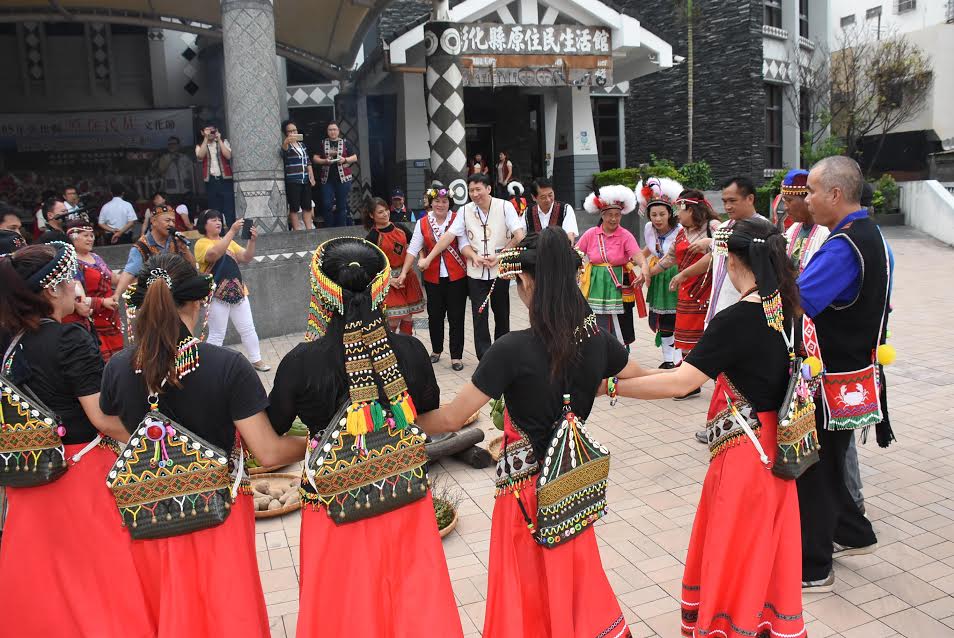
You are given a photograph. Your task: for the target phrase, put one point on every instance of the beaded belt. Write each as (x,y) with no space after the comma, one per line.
(724,431)
(517,465)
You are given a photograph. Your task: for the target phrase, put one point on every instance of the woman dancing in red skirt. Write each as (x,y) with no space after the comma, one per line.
(66,561)
(743,570)
(377,573)
(535,591)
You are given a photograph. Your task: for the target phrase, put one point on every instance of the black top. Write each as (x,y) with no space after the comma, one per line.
(739,343)
(333,176)
(223,389)
(375,233)
(307,386)
(848,335)
(60,362)
(517,366)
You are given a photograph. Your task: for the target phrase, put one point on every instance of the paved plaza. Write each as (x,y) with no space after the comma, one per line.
(904,589)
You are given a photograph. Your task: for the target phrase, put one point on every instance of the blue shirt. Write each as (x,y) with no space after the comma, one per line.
(134,262)
(833,276)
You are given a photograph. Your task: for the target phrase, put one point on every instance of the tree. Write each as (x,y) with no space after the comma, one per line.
(685,12)
(877,84)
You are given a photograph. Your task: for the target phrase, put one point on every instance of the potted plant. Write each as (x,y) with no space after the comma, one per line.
(447,498)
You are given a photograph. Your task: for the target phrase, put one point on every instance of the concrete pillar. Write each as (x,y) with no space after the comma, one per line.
(791,130)
(253,106)
(412,149)
(444,87)
(576,158)
(550,109)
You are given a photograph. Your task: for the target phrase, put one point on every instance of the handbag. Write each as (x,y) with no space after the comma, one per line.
(168,481)
(360,476)
(797,446)
(571,484)
(31,447)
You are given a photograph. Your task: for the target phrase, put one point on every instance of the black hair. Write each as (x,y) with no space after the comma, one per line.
(480,178)
(867,195)
(541,182)
(204,217)
(672,219)
(702,214)
(70,187)
(285,124)
(8,213)
(778,255)
(745,185)
(48,205)
(174,138)
(367,211)
(117,189)
(160,194)
(557,307)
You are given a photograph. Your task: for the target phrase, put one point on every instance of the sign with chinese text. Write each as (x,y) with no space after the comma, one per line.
(149,129)
(535,55)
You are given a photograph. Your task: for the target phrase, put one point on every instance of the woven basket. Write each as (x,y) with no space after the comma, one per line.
(495,447)
(450,526)
(291,507)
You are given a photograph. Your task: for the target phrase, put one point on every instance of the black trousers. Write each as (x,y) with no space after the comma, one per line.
(447,299)
(499,303)
(828,512)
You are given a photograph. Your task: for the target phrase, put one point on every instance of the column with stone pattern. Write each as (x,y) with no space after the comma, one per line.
(253,111)
(444,87)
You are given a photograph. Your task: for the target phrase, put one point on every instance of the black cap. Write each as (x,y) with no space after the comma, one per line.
(397,192)
(867,195)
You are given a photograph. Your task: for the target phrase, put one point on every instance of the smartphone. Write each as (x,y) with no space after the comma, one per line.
(298,137)
(247,224)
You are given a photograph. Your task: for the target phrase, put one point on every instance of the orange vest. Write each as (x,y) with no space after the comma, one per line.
(451,257)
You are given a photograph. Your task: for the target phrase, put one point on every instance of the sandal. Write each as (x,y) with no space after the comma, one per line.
(435,357)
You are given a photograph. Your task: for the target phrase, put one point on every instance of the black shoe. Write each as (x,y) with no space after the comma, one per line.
(457,366)
(688,396)
(435,357)
(667,365)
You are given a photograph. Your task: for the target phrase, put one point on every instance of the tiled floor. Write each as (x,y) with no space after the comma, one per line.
(904,589)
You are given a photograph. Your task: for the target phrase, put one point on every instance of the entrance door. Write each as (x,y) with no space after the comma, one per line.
(480,139)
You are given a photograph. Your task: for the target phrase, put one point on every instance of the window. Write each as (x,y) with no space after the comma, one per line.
(606,122)
(847,21)
(873,12)
(803,18)
(903,6)
(773,126)
(773,13)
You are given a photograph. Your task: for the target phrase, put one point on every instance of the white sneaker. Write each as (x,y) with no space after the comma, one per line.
(843,550)
(822,586)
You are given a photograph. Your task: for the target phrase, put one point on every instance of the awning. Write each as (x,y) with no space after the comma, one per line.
(321,34)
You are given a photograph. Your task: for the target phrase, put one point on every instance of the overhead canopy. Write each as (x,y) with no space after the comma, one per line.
(320,34)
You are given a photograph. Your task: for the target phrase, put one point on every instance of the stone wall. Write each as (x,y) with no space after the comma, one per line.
(729,120)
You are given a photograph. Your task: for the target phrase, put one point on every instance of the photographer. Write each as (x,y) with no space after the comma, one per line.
(215,153)
(335,158)
(54,213)
(299,178)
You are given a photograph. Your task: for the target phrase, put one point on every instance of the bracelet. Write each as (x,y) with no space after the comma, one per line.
(612,390)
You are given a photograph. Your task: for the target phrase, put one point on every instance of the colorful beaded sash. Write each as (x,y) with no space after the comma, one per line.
(722,429)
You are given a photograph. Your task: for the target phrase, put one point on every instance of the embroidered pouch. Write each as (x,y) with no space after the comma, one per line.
(31,450)
(167,481)
(797,439)
(357,477)
(852,398)
(230,291)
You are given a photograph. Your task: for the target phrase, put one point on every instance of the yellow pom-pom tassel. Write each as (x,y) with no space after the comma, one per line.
(814,365)
(886,354)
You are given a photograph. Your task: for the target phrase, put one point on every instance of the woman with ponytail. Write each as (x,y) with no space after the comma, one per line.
(206,582)
(534,590)
(63,542)
(372,563)
(743,570)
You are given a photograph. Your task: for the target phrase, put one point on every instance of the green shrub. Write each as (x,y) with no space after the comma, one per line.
(697,175)
(690,175)
(625,176)
(765,193)
(886,193)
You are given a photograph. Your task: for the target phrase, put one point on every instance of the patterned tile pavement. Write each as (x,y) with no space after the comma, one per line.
(905,589)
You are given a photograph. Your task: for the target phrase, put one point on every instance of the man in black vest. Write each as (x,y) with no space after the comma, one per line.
(549,212)
(844,289)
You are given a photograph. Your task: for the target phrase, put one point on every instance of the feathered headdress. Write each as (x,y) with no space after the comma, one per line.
(657,190)
(612,196)
(515,189)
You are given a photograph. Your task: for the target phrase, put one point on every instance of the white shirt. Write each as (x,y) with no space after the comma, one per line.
(215,165)
(417,239)
(116,213)
(513,221)
(725,295)
(40,220)
(569,220)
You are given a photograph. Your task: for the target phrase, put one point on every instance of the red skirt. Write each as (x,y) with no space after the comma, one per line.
(535,592)
(384,576)
(401,303)
(66,560)
(743,573)
(206,583)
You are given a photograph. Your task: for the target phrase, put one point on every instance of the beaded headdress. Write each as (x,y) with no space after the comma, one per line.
(730,239)
(608,197)
(657,190)
(795,183)
(59,269)
(370,363)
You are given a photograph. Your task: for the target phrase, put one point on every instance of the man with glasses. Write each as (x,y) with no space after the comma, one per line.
(484,227)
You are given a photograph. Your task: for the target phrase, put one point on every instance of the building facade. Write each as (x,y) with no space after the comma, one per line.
(748,60)
(923,146)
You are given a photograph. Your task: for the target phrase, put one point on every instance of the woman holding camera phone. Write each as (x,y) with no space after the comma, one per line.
(219,255)
(299,178)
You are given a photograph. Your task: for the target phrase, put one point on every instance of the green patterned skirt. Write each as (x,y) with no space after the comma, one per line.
(604,297)
(659,298)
